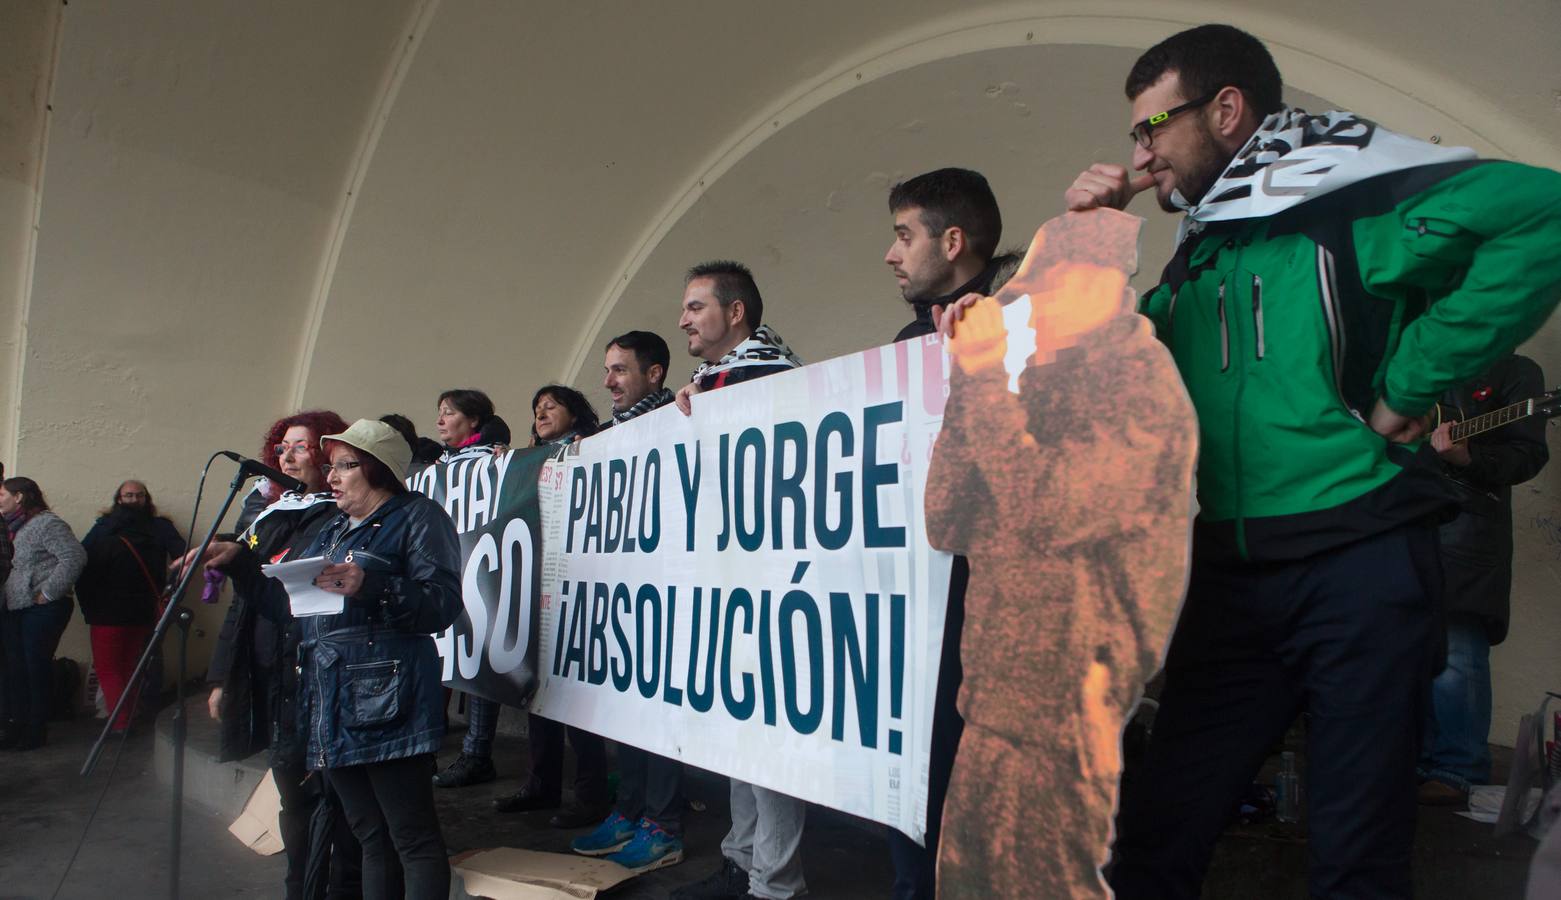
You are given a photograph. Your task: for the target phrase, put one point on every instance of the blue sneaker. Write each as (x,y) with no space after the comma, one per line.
(612,835)
(651,848)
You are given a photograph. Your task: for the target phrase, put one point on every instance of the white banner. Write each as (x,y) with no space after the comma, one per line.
(751,590)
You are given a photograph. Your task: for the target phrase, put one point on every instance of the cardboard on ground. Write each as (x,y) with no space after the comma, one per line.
(506,873)
(258,826)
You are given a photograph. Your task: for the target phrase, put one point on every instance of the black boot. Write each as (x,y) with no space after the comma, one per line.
(466,770)
(729,883)
(10,735)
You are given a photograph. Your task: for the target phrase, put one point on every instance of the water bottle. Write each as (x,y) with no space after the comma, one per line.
(1287,790)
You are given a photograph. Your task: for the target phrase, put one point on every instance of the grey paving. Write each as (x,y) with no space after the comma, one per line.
(44,806)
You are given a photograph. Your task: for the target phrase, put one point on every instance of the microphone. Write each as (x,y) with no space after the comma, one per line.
(249,466)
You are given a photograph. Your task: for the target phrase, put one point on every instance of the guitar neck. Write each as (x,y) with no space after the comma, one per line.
(1481,424)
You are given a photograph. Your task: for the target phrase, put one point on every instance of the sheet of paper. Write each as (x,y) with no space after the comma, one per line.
(303,596)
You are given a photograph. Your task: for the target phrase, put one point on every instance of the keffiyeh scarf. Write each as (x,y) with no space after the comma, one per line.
(763,348)
(654,400)
(1295,157)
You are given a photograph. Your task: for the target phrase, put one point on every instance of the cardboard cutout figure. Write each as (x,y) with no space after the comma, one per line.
(1069,486)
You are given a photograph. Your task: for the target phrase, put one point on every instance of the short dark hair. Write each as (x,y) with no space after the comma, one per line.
(1208,58)
(953,198)
(29,491)
(404,427)
(584,414)
(471,403)
(648,349)
(733,282)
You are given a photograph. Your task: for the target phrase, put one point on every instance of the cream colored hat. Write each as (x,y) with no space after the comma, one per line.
(377,440)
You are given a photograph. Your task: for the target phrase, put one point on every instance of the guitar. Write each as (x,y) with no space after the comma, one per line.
(1476,497)
(1547,405)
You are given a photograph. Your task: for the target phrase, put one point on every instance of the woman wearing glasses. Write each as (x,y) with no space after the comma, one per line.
(371,694)
(252,668)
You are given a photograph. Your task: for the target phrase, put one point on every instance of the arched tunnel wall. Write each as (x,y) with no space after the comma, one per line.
(243,208)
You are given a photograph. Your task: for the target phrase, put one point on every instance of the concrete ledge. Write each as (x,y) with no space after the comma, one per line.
(221,789)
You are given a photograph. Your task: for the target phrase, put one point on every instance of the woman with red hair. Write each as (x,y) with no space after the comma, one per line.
(253,668)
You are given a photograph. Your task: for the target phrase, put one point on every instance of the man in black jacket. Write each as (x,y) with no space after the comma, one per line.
(1477,568)
(946,228)
(128,550)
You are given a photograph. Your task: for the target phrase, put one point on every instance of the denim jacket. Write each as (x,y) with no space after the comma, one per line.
(369,677)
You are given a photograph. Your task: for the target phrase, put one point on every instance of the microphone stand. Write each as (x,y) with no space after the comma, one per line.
(176,613)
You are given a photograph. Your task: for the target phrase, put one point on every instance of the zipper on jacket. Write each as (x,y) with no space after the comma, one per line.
(1328,292)
(317,714)
(1224,332)
(391,664)
(1257,312)
(1235,409)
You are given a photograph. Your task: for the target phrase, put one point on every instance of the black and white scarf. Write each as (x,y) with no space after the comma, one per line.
(288,500)
(1294,157)
(763,348)
(653,400)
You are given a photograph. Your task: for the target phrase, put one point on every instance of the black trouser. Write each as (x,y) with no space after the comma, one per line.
(31,636)
(651,787)
(915,866)
(545,738)
(390,806)
(1347,636)
(323,858)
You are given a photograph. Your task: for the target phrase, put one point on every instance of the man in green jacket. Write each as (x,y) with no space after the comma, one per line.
(1332,280)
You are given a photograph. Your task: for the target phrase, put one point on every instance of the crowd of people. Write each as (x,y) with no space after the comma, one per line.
(1315,325)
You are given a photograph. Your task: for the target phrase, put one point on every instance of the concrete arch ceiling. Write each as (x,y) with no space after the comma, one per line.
(544,173)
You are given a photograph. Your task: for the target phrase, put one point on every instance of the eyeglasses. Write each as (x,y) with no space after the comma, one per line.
(1143,133)
(301,448)
(341,467)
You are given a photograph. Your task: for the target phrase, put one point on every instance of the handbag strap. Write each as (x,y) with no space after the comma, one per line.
(157,595)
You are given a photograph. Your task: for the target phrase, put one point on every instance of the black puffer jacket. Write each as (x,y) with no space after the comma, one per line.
(127,568)
(992,276)
(252,643)
(1477,545)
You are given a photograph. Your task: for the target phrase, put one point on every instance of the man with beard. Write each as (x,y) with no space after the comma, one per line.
(128,550)
(946,228)
(1332,280)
